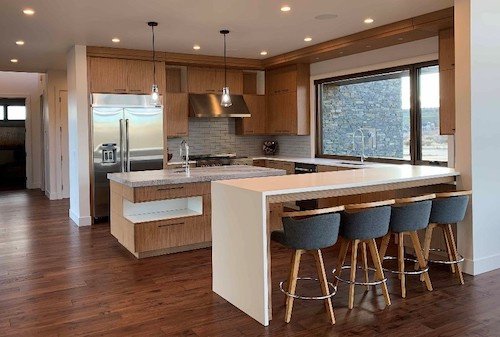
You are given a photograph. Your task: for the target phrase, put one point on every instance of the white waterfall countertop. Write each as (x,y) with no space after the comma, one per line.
(197,174)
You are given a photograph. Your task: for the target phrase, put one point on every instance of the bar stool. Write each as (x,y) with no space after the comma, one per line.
(408,215)
(363,223)
(318,230)
(447,208)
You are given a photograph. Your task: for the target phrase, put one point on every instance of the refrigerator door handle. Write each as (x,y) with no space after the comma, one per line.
(127,145)
(122,152)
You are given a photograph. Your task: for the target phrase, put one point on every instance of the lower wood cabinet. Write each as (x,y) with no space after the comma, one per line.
(289,167)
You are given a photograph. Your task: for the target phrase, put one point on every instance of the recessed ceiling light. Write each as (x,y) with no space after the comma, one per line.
(14,60)
(326,16)
(20,43)
(285,8)
(28,11)
(263,53)
(308,39)
(196,47)
(115,40)
(368,20)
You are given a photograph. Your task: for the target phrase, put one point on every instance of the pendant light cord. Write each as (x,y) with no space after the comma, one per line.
(225,71)
(154,60)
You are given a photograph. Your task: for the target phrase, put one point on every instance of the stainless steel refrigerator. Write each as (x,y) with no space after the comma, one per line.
(127,135)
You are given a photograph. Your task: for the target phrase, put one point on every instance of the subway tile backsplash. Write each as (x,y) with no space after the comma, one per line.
(216,136)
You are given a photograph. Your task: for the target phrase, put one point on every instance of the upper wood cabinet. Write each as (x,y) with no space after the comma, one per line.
(446,82)
(176,114)
(255,125)
(109,75)
(211,80)
(287,92)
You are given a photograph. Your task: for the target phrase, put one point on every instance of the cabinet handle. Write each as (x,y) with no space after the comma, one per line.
(120,89)
(171,224)
(169,188)
(135,90)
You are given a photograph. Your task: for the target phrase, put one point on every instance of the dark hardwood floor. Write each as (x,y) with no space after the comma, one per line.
(60,280)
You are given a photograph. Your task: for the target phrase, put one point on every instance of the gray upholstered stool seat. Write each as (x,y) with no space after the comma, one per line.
(407,217)
(362,224)
(447,208)
(309,232)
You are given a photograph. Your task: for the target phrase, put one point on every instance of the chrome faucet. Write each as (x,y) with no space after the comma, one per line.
(362,156)
(184,147)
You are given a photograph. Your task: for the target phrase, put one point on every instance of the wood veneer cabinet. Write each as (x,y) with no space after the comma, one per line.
(446,82)
(287,91)
(120,76)
(256,124)
(177,114)
(289,167)
(211,80)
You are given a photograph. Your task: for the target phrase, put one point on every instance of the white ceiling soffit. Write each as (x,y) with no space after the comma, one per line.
(255,25)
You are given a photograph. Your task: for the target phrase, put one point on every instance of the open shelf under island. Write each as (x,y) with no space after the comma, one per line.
(166,211)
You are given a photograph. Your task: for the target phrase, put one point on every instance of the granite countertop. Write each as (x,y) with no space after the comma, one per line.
(198,174)
(326,162)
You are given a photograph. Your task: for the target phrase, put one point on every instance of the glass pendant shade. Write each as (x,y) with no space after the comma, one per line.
(226,98)
(155,96)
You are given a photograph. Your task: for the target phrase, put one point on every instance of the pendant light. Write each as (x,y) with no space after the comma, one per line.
(155,96)
(225,99)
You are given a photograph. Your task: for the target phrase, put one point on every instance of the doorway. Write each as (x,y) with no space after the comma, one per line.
(12,143)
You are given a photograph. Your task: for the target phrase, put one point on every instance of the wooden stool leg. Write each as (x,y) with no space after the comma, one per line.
(292,283)
(378,267)
(420,258)
(401,263)
(427,244)
(454,251)
(384,244)
(320,266)
(354,259)
(449,250)
(344,246)
(365,264)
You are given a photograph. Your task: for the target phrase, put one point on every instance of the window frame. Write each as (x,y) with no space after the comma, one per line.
(5,103)
(415,115)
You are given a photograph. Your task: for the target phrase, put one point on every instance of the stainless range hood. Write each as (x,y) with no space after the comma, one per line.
(208,105)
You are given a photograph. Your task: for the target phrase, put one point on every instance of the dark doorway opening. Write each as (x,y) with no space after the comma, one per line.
(12,143)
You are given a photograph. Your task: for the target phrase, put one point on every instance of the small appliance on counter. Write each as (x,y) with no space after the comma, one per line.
(270,147)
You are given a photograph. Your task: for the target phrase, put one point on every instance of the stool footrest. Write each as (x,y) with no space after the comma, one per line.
(374,283)
(461,259)
(406,272)
(300,297)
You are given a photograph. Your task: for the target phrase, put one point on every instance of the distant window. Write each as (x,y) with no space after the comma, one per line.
(2,113)
(16,113)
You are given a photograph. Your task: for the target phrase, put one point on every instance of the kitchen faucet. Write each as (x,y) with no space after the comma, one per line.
(362,156)
(184,147)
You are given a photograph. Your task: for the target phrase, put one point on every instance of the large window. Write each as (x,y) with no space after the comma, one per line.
(12,112)
(377,114)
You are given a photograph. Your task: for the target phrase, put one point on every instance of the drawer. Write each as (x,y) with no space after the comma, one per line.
(282,165)
(170,233)
(151,193)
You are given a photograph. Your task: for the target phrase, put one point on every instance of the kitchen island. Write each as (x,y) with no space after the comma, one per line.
(241,221)
(166,211)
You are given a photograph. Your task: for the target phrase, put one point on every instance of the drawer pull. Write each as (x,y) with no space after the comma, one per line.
(171,224)
(169,188)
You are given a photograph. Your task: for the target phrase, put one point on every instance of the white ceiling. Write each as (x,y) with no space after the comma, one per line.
(255,25)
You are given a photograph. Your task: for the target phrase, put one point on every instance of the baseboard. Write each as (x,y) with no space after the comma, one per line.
(482,265)
(80,221)
(51,196)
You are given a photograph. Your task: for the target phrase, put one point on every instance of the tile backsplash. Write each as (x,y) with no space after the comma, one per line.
(216,136)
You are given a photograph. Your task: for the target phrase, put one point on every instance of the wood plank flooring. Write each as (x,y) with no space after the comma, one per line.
(60,280)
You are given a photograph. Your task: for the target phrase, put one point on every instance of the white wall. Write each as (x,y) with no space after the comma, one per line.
(29,86)
(55,83)
(477,70)
(78,128)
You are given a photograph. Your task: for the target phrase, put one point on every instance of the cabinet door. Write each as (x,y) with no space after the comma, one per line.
(255,125)
(281,81)
(176,112)
(282,113)
(140,76)
(447,102)
(234,81)
(108,75)
(202,80)
(326,168)
(446,49)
